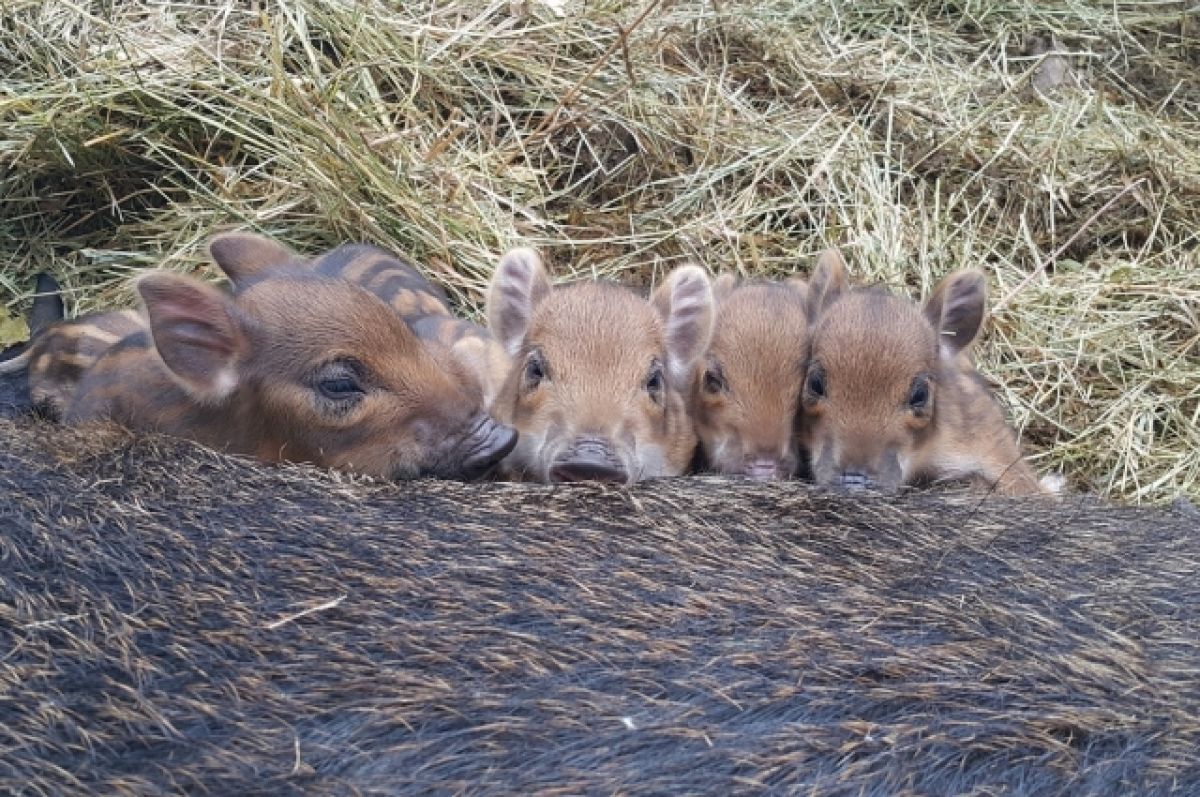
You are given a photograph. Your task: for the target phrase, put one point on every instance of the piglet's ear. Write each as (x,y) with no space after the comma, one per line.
(957,309)
(196,333)
(686,305)
(47,305)
(519,284)
(827,282)
(242,255)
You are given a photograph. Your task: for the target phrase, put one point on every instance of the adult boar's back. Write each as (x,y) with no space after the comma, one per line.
(174,619)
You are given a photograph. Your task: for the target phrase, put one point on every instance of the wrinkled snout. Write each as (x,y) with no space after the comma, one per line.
(588,459)
(480,450)
(860,464)
(764,469)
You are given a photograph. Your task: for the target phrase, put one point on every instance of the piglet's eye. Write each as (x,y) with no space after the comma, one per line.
(340,380)
(654,381)
(918,394)
(814,385)
(535,371)
(714,380)
(340,388)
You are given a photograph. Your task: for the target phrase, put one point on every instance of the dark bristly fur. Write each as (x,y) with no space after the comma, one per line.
(175,620)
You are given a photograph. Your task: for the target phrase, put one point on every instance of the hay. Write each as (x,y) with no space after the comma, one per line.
(623,138)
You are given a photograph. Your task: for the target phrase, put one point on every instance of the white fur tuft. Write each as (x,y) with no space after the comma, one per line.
(1053,483)
(224,383)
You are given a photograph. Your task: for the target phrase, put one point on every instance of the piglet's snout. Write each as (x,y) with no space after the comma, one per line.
(484,446)
(763,468)
(588,459)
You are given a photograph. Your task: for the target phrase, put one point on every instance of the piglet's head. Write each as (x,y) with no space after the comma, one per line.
(318,370)
(747,396)
(870,394)
(599,379)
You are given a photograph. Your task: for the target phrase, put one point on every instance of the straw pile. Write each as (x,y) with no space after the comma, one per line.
(1049,142)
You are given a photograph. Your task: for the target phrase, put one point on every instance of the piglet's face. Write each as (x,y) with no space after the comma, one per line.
(870,393)
(747,396)
(318,370)
(596,391)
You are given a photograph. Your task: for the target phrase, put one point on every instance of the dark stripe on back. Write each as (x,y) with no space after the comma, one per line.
(394,285)
(334,263)
(135,340)
(379,263)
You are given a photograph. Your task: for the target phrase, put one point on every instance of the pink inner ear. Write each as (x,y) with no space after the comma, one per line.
(519,284)
(193,331)
(957,309)
(690,319)
(510,316)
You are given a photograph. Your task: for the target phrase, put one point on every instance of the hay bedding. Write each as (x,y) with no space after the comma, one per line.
(1051,143)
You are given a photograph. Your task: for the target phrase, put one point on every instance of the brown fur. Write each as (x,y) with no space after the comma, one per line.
(294,366)
(746,400)
(422,305)
(874,356)
(599,376)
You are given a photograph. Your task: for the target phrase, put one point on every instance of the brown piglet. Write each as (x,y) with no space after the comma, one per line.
(746,399)
(891,396)
(59,353)
(599,380)
(291,366)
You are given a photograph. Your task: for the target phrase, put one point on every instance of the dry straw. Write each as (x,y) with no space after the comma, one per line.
(1049,142)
